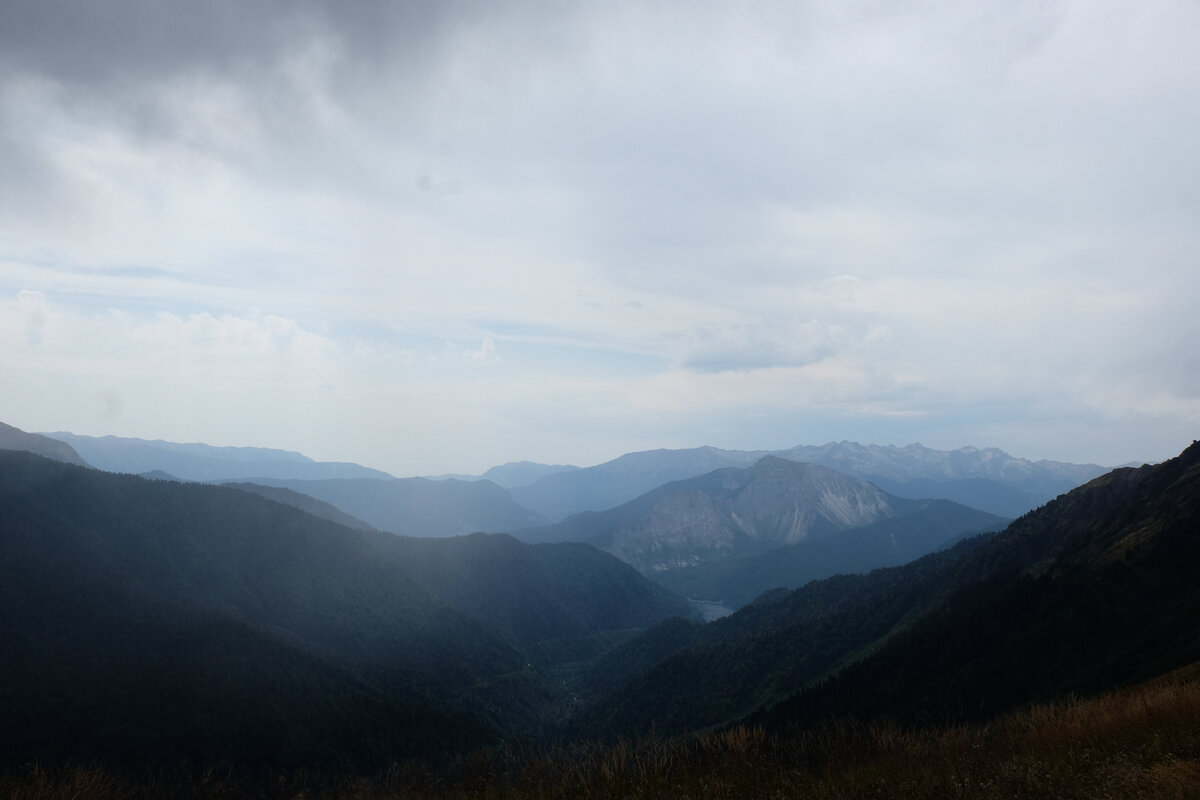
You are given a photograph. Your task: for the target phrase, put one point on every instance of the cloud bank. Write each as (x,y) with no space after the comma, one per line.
(435,237)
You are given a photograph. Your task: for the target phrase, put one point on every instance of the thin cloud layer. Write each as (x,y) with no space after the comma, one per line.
(435,237)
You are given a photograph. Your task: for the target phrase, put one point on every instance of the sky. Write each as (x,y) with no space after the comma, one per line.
(435,237)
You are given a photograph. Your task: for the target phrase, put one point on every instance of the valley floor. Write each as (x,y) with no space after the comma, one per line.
(1142,742)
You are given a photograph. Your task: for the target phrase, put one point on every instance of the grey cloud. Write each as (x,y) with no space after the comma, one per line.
(103,41)
(771,343)
(113,40)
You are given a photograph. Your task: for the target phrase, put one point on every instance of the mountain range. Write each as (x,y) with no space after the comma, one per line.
(157,622)
(1088,592)
(736,532)
(531,494)
(202,462)
(987,479)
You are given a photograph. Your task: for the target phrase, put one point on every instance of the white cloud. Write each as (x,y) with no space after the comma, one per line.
(662,218)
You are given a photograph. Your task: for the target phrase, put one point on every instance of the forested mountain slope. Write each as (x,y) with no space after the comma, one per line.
(169,610)
(677,677)
(1094,590)
(419,506)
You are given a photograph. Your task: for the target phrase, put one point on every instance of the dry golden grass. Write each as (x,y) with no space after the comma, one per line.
(1138,743)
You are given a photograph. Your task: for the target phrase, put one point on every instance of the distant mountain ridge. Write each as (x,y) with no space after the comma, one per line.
(305,502)
(720,535)
(16,439)
(202,462)
(987,479)
(523,473)
(418,506)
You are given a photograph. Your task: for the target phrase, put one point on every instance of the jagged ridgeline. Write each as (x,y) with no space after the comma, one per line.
(154,620)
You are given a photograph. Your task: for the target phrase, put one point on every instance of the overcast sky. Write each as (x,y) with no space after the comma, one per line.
(435,237)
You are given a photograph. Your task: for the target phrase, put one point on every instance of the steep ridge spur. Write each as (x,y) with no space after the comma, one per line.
(1095,590)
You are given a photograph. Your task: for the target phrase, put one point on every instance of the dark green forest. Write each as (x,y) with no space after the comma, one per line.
(159,619)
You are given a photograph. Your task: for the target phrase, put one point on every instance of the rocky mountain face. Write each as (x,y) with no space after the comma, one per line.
(736,532)
(924,526)
(735,511)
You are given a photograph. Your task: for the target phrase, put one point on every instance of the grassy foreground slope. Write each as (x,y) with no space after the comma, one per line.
(1139,742)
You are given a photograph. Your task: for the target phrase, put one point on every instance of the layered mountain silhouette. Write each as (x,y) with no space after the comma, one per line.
(164,620)
(523,494)
(987,479)
(1089,592)
(419,506)
(289,497)
(16,439)
(523,473)
(202,462)
(734,533)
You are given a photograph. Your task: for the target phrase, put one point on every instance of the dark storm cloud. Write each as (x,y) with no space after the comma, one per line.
(112,40)
(108,42)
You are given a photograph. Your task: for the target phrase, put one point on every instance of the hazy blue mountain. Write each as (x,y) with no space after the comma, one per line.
(210,622)
(985,494)
(987,479)
(523,473)
(202,462)
(735,532)
(614,482)
(16,439)
(304,502)
(419,506)
(1088,592)
(927,526)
